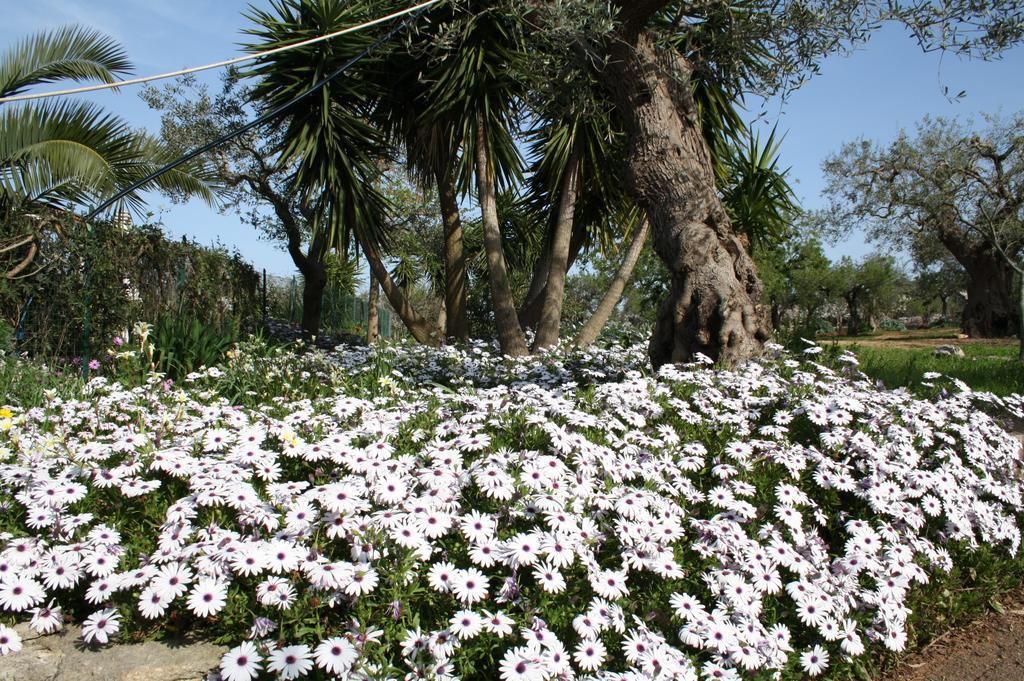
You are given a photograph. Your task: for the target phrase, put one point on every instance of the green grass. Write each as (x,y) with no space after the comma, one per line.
(984,367)
(24,383)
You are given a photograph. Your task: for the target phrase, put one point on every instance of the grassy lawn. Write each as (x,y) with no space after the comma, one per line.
(986,366)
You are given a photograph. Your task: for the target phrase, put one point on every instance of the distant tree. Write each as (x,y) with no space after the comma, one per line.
(798,280)
(257,186)
(870,289)
(941,280)
(949,184)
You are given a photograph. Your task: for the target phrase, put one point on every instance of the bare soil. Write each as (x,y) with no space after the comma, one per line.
(911,339)
(988,649)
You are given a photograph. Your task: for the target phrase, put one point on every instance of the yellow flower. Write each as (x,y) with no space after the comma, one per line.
(6,413)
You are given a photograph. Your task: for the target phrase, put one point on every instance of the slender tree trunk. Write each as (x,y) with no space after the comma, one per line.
(442,316)
(592,329)
(510,333)
(421,329)
(314,281)
(549,328)
(529,315)
(1020,310)
(456,323)
(776,311)
(372,317)
(855,325)
(712,306)
(945,306)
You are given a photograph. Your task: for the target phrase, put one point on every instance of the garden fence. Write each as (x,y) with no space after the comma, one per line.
(342,313)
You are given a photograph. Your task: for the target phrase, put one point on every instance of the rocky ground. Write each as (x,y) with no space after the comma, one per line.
(62,657)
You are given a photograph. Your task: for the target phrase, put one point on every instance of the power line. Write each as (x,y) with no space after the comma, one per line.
(219,64)
(273,113)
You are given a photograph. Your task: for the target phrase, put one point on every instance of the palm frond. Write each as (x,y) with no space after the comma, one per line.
(70,53)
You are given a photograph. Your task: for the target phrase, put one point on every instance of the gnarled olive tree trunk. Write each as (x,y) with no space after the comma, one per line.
(989,310)
(712,307)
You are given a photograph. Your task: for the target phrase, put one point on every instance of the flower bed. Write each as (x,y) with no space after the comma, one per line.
(382,512)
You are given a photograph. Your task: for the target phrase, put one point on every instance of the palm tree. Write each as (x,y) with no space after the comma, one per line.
(54,154)
(405,115)
(474,88)
(336,152)
(575,179)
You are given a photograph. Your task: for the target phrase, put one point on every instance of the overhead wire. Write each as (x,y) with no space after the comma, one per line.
(260,120)
(218,64)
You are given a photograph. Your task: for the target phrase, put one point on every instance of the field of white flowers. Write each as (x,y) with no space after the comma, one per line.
(436,514)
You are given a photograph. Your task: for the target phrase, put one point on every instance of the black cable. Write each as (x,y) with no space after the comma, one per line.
(273,113)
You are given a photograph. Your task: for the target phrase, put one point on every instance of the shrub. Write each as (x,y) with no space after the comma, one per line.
(892,325)
(96,282)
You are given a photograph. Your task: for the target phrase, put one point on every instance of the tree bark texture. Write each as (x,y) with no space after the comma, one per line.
(713,304)
(549,328)
(510,333)
(529,314)
(314,281)
(592,329)
(855,322)
(310,264)
(456,323)
(422,330)
(1020,310)
(372,317)
(989,310)
(442,317)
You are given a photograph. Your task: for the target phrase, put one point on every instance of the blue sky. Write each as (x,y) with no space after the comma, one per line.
(887,85)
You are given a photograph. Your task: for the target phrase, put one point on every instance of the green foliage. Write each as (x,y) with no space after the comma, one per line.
(53,153)
(892,325)
(756,193)
(184,345)
(110,277)
(26,383)
(333,147)
(870,288)
(984,367)
(342,272)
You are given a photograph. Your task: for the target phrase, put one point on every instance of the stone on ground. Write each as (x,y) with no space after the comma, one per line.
(63,657)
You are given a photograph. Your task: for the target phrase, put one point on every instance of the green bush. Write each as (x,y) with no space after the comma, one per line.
(892,325)
(95,282)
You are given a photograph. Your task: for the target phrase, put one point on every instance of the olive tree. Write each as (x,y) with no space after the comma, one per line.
(647,53)
(949,184)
